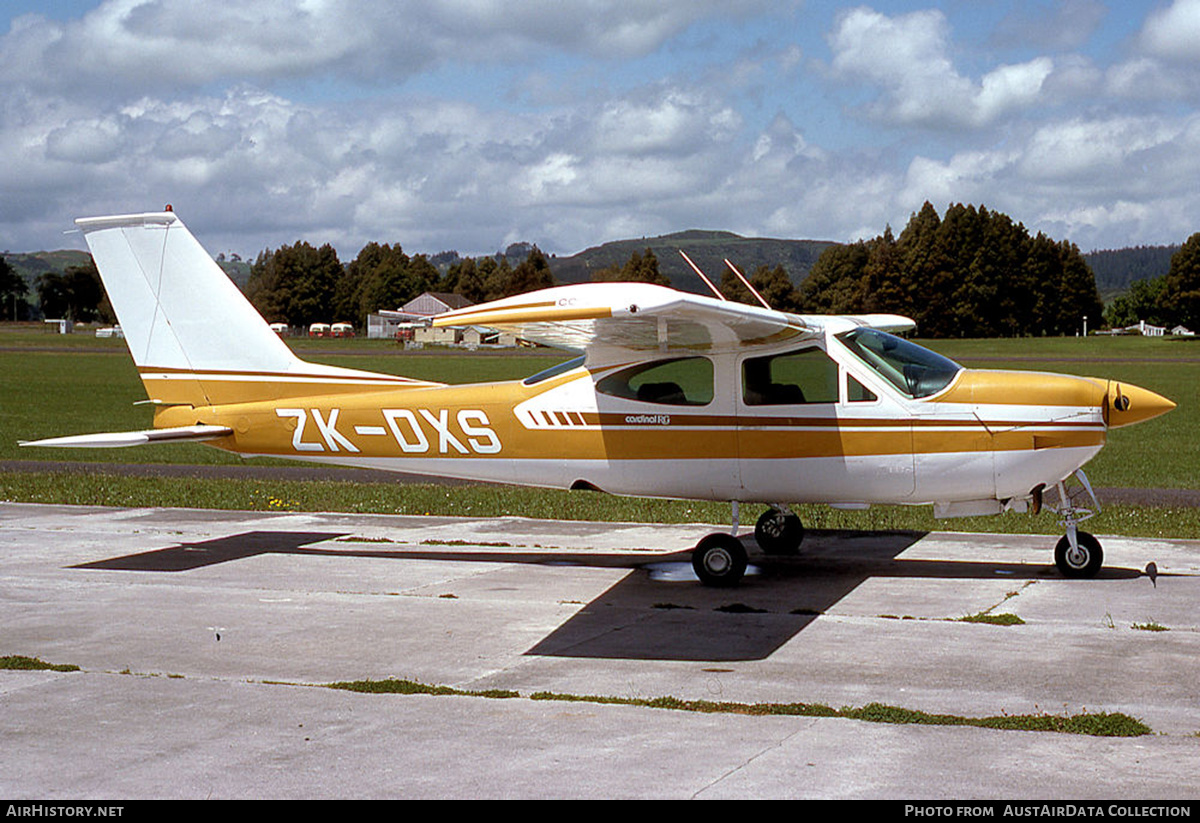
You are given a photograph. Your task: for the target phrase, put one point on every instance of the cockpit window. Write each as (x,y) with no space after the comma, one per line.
(913,369)
(687,381)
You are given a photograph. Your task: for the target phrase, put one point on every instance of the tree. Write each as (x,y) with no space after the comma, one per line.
(496,275)
(1077,294)
(295,284)
(924,257)
(384,277)
(882,289)
(13,289)
(971,273)
(833,285)
(772,283)
(77,294)
(468,280)
(639,268)
(1143,301)
(1180,299)
(531,274)
(776,287)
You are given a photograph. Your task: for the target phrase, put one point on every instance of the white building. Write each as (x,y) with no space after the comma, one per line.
(401,323)
(408,323)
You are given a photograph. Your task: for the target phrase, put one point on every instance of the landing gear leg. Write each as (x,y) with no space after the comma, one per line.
(1078,554)
(779,531)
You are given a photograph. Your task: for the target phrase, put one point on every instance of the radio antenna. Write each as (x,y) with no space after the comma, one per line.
(707,282)
(746,283)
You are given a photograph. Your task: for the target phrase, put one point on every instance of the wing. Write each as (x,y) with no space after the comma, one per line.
(644,317)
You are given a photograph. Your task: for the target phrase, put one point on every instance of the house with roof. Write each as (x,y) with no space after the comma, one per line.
(409,323)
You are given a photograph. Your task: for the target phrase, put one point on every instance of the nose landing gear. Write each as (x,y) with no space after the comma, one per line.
(1077,554)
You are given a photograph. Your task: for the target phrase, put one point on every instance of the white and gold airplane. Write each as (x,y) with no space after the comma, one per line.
(675,395)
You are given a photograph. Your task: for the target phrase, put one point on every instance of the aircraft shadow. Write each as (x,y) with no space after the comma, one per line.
(659,612)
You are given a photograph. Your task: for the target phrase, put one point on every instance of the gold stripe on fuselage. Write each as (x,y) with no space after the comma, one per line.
(452,422)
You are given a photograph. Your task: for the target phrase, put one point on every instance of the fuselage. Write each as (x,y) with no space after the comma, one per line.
(851,418)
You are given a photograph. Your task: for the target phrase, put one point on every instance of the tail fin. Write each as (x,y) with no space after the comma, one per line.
(195,338)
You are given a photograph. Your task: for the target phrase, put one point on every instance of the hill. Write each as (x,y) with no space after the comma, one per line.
(32,265)
(708,249)
(1117,269)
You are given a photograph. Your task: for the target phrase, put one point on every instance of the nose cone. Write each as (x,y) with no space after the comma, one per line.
(1128,404)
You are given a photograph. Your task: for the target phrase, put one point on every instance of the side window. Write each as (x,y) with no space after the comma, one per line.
(805,376)
(856,392)
(687,381)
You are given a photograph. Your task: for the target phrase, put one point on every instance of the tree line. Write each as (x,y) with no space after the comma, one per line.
(1169,300)
(300,284)
(75,294)
(972,272)
(12,292)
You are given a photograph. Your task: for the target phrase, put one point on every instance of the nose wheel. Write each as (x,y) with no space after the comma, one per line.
(1083,559)
(1077,554)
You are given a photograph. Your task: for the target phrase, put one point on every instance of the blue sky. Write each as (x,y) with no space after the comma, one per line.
(470,124)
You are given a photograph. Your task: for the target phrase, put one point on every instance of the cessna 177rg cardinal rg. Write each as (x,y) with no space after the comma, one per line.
(675,395)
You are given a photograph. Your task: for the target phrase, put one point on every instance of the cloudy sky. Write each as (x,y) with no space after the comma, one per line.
(470,124)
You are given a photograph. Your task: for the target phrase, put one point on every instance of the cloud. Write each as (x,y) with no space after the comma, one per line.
(906,58)
(150,46)
(1173,33)
(1091,150)
(346,122)
(1165,64)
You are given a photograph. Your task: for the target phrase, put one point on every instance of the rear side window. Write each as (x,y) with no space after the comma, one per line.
(805,376)
(686,381)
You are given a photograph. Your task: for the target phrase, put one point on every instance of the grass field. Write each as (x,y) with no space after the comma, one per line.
(53,385)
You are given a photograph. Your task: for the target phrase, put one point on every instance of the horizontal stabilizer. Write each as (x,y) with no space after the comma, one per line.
(118,440)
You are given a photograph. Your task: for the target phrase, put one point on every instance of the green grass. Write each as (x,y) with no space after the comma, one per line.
(48,394)
(101,489)
(23,663)
(399,686)
(1086,723)
(90,385)
(1006,619)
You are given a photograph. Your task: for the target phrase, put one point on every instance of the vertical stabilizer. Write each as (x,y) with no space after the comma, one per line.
(195,338)
(178,309)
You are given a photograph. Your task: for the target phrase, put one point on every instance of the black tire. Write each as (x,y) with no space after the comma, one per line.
(779,533)
(1085,562)
(719,560)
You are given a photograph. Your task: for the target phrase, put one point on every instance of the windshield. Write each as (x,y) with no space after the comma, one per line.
(913,369)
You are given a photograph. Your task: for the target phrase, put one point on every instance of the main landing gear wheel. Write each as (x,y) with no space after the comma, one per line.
(779,532)
(719,560)
(1082,561)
